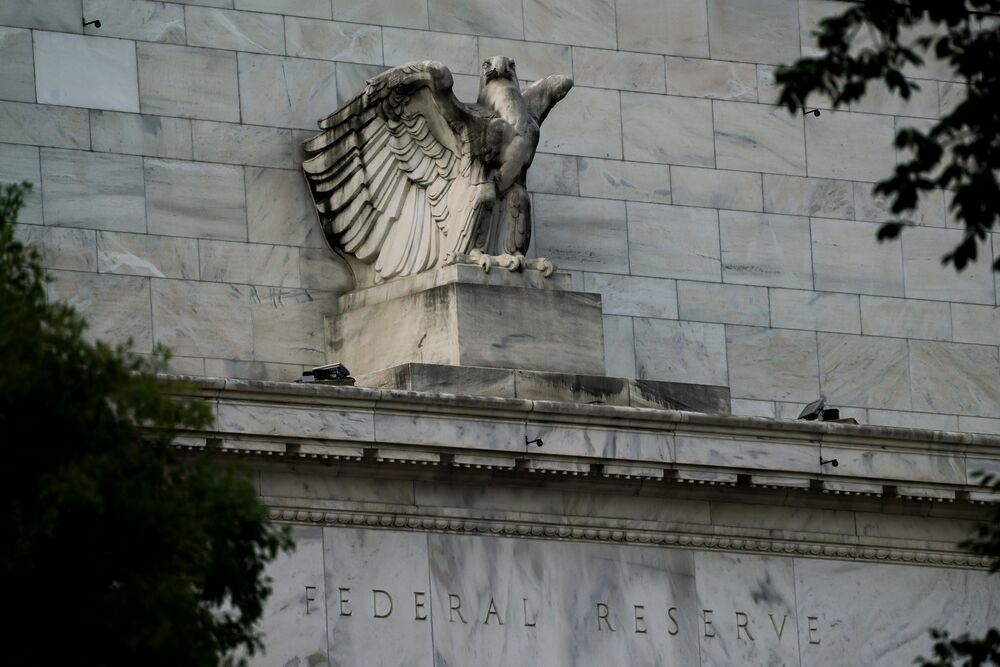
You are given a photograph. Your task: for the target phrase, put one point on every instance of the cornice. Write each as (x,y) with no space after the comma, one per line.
(563,412)
(306,421)
(673,539)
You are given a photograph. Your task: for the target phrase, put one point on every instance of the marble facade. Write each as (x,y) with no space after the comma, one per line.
(666,181)
(515,509)
(412,598)
(431,530)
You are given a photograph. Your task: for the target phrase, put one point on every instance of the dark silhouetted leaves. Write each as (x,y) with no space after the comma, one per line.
(961,151)
(113,552)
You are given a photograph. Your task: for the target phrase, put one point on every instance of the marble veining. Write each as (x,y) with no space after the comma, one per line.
(413,598)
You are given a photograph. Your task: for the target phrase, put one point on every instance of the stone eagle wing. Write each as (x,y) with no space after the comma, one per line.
(383,169)
(543,94)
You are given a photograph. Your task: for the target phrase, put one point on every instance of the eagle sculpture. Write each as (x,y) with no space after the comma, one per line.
(407,178)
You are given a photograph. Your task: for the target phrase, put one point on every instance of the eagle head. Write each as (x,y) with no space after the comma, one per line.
(497,67)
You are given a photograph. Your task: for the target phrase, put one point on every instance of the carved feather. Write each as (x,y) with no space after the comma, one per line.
(391,154)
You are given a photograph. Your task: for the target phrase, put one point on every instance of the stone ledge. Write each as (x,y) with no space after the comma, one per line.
(295,422)
(308,393)
(541,385)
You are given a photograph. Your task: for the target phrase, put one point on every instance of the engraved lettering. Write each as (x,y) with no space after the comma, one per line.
(812,621)
(709,628)
(673,620)
(492,611)
(602,615)
(344,611)
(385,596)
(526,624)
(310,597)
(779,630)
(455,606)
(743,621)
(419,606)
(640,619)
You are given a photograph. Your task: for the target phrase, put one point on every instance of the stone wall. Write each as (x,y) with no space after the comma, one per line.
(733,243)
(600,535)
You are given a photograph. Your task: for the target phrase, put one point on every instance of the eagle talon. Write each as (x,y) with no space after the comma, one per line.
(510,262)
(484,261)
(542,264)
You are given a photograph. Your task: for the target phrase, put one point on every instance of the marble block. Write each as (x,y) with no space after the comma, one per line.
(61,15)
(21,163)
(722,80)
(93,190)
(619,346)
(242,144)
(378,598)
(92,72)
(716,188)
(578,22)
(620,70)
(463,317)
(586,234)
(890,610)
(761,31)
(269,84)
(400,597)
(501,18)
(294,619)
(441,378)
(553,174)
(459,53)
(239,31)
(765,249)
(403,13)
(329,40)
(851,145)
(759,137)
(676,27)
(212,205)
(319,9)
(615,179)
(188,82)
(137,19)
(44,125)
(661,128)
(680,351)
(588,123)
(548,386)
(748,610)
(17,69)
(116,307)
(140,134)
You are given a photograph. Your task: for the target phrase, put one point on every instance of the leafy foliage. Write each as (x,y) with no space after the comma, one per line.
(961,151)
(119,552)
(975,652)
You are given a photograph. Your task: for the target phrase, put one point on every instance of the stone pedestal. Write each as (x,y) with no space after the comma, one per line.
(461,316)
